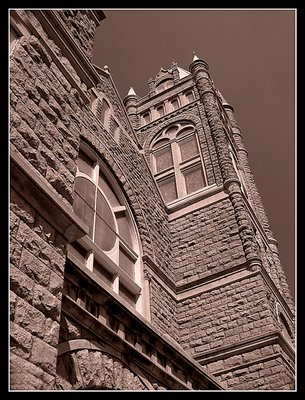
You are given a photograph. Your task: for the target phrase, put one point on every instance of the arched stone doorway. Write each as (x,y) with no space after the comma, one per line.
(84,366)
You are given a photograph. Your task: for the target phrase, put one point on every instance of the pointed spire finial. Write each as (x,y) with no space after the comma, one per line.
(106,69)
(195,56)
(131,92)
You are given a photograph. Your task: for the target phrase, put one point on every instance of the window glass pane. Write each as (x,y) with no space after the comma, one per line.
(171,130)
(160,111)
(168,189)
(86,190)
(175,104)
(102,112)
(126,263)
(85,164)
(127,295)
(109,193)
(104,237)
(102,273)
(164,159)
(190,96)
(185,131)
(188,148)
(160,143)
(124,229)
(104,211)
(85,212)
(146,118)
(194,179)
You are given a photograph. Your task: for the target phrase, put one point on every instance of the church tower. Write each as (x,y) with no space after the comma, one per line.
(141,257)
(235,313)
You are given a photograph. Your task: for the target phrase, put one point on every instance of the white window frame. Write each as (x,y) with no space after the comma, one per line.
(179,166)
(109,260)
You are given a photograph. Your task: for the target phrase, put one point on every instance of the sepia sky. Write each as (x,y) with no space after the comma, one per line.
(251,54)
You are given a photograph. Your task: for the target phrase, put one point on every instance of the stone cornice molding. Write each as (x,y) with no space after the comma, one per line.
(101,328)
(244,346)
(57,31)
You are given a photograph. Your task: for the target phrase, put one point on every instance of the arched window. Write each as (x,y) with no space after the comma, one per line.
(176,162)
(146,117)
(116,131)
(102,111)
(111,249)
(160,111)
(165,84)
(189,96)
(175,104)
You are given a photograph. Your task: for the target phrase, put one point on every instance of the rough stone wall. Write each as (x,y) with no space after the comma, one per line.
(264,368)
(82,27)
(36,277)
(205,242)
(44,131)
(42,127)
(163,309)
(225,315)
(229,315)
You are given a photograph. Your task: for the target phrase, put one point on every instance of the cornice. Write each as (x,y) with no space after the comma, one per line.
(57,31)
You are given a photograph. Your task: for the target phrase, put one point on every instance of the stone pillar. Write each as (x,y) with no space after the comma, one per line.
(199,69)
(130,102)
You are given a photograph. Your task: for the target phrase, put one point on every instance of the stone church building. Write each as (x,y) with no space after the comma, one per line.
(141,257)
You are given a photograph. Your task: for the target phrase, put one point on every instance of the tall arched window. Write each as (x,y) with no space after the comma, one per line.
(176,162)
(111,249)
(189,96)
(146,118)
(102,111)
(160,111)
(175,104)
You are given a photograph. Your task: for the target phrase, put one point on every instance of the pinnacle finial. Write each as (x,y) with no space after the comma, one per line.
(131,92)
(195,56)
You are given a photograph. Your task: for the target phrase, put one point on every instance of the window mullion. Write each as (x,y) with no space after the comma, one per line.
(90,261)
(95,179)
(180,184)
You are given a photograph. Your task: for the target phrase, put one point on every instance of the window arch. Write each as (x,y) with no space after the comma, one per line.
(146,118)
(160,111)
(165,84)
(102,111)
(176,162)
(175,104)
(189,96)
(111,249)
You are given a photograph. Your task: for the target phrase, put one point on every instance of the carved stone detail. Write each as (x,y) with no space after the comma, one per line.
(209,99)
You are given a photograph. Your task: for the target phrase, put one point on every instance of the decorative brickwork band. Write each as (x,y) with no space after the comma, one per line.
(231,182)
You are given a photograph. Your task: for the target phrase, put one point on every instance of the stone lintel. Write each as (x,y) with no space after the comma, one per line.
(28,183)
